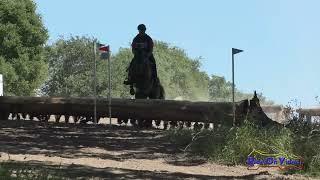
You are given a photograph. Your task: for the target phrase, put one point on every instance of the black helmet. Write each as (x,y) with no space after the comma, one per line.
(142,27)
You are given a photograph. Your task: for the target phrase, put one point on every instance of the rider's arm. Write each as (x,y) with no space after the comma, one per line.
(133,45)
(133,50)
(150,44)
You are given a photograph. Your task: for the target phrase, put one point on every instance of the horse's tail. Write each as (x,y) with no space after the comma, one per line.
(162,92)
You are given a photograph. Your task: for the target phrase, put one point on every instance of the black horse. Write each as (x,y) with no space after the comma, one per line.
(144,85)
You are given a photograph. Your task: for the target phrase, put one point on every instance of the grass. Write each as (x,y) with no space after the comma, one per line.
(22,171)
(232,146)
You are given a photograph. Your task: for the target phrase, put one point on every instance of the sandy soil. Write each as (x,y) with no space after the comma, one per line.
(111,152)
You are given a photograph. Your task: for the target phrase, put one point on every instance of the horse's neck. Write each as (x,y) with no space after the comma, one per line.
(145,86)
(140,58)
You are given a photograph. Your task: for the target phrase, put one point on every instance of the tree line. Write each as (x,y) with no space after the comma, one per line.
(65,68)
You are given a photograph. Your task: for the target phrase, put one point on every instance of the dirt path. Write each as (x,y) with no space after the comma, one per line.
(104,152)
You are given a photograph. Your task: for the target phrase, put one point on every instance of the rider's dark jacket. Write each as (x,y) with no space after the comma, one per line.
(148,47)
(146,40)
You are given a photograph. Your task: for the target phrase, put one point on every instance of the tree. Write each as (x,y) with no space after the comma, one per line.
(179,74)
(221,90)
(71,66)
(22,39)
(71,69)
(71,73)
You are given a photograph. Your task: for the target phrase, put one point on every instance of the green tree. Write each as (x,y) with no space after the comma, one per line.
(71,69)
(22,39)
(71,66)
(71,73)
(221,90)
(180,75)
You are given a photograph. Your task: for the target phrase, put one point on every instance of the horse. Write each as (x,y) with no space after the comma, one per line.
(145,86)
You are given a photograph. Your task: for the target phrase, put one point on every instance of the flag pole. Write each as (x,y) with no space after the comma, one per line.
(109,86)
(95,82)
(233,104)
(234,51)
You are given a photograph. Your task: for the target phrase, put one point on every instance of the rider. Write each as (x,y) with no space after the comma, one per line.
(142,37)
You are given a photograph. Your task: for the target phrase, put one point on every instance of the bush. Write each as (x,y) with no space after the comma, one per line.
(232,146)
(245,139)
(18,171)
(207,143)
(314,166)
(308,146)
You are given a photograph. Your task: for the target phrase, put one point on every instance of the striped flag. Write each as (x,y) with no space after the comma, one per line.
(103,48)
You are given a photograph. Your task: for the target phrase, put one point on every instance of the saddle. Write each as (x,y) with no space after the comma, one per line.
(130,70)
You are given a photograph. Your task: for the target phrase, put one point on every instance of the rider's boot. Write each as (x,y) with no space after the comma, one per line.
(128,81)
(132,92)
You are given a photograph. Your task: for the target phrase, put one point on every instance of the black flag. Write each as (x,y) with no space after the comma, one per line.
(236,51)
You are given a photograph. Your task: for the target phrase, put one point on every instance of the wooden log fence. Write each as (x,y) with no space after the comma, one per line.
(170,110)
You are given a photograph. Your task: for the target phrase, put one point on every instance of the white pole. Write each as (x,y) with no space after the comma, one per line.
(95,82)
(109,86)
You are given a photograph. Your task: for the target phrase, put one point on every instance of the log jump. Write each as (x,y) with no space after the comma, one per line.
(147,109)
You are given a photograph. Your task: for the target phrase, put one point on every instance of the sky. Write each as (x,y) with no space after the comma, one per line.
(280,38)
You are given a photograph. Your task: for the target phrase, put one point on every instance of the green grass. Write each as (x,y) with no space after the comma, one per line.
(232,146)
(22,171)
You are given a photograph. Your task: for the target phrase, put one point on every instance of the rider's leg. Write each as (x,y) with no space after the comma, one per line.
(128,81)
(154,67)
(132,91)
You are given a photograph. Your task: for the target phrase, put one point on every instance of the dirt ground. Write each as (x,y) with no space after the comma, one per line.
(111,152)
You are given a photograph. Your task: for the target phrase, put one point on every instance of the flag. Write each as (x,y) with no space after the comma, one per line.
(103,48)
(104,51)
(236,51)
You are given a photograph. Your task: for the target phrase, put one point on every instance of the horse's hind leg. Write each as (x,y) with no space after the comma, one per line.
(158,93)
(141,122)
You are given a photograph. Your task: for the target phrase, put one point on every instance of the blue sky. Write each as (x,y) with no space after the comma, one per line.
(280,38)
